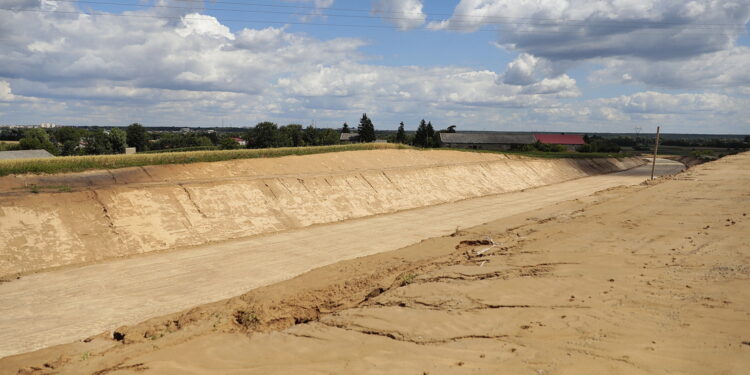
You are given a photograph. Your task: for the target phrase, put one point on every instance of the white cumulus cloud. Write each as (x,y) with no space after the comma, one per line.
(406,14)
(6,94)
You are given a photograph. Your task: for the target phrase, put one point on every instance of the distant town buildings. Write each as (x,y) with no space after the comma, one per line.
(349,137)
(240,141)
(502,141)
(485,141)
(570,141)
(44,125)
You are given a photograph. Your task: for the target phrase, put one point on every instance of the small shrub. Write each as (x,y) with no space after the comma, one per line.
(407,278)
(246,318)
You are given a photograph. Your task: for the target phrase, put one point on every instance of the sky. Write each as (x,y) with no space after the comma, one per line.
(502,65)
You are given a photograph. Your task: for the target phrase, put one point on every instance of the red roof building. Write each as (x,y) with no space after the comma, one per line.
(560,139)
(241,141)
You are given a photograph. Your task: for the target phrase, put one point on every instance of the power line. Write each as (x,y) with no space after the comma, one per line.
(452,15)
(437,14)
(470,28)
(545,21)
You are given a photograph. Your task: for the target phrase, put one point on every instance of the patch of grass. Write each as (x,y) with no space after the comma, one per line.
(81,163)
(9,145)
(246,318)
(85,356)
(407,278)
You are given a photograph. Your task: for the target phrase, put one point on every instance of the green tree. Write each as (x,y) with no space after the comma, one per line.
(70,139)
(328,137)
(400,133)
(38,139)
(98,143)
(291,135)
(366,129)
(263,135)
(136,136)
(118,139)
(451,129)
(310,136)
(345,128)
(430,135)
(227,143)
(420,138)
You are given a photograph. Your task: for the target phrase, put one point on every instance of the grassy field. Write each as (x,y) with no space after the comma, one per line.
(8,145)
(82,163)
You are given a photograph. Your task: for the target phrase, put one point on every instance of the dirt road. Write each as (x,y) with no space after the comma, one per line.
(57,307)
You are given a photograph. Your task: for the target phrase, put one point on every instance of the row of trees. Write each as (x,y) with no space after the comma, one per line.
(70,140)
(73,141)
(425,136)
(269,134)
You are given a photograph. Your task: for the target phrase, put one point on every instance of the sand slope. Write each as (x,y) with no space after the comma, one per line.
(102,297)
(139,210)
(650,279)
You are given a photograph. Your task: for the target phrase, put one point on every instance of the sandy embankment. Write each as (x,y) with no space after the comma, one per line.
(638,280)
(101,215)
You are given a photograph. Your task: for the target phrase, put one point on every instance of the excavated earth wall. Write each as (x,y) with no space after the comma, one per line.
(59,220)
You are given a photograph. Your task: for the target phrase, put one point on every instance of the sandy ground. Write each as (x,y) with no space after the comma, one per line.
(83,218)
(647,279)
(100,297)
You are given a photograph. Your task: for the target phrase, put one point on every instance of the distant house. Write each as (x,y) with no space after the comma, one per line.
(570,141)
(25,154)
(485,141)
(349,138)
(241,141)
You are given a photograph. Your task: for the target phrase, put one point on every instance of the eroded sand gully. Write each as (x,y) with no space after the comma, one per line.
(638,280)
(131,211)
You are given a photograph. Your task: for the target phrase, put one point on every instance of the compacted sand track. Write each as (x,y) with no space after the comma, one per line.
(59,306)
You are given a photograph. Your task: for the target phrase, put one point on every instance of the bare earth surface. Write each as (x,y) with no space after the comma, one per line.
(72,219)
(646,279)
(60,306)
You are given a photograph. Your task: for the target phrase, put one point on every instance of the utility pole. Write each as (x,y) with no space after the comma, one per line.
(656,150)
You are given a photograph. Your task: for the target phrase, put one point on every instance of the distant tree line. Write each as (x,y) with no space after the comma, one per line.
(268,134)
(425,136)
(596,143)
(642,143)
(69,140)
